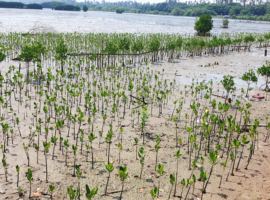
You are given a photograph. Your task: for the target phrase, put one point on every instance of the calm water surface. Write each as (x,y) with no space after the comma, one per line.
(20,20)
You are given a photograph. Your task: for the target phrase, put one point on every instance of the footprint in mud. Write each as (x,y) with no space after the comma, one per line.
(149,180)
(223,195)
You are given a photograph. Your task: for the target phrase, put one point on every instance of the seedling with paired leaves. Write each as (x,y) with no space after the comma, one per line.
(109,167)
(18,174)
(177,155)
(4,162)
(90,194)
(172,181)
(91,138)
(136,144)
(66,144)
(109,141)
(29,178)
(74,148)
(26,150)
(51,189)
(157,147)
(141,155)
(73,194)
(160,170)
(213,159)
(123,176)
(46,146)
(154,193)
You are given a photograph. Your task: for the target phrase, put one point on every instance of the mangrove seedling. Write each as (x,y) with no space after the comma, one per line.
(144,117)
(154,193)
(20,191)
(79,175)
(141,155)
(136,144)
(183,183)
(37,149)
(120,148)
(90,193)
(232,156)
(18,174)
(109,169)
(160,170)
(53,140)
(123,176)
(244,142)
(224,164)
(74,148)
(190,182)
(72,194)
(175,119)
(46,146)
(236,144)
(172,181)
(29,178)
(203,178)
(250,155)
(26,150)
(66,144)
(51,189)
(213,159)
(156,150)
(91,138)
(177,155)
(4,162)
(249,77)
(109,141)
(228,84)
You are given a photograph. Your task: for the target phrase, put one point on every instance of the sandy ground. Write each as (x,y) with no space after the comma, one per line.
(248,184)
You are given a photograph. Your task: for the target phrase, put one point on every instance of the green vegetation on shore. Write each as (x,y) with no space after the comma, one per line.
(67,7)
(52,4)
(20,5)
(235,10)
(55,5)
(120,10)
(204,25)
(128,43)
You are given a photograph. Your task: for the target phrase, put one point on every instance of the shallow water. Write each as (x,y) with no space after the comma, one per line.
(22,20)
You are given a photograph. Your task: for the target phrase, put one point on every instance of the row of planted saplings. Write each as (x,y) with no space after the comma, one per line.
(103,47)
(194,147)
(54,108)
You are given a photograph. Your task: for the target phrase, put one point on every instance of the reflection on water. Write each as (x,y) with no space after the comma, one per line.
(22,20)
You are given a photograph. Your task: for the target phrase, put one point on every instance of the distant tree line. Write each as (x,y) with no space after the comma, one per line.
(20,5)
(34,6)
(235,10)
(67,7)
(120,10)
(55,5)
(51,4)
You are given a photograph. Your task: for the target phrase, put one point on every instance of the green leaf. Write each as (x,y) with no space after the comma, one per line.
(172,178)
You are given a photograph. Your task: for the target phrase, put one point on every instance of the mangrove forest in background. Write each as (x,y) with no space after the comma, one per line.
(235,10)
